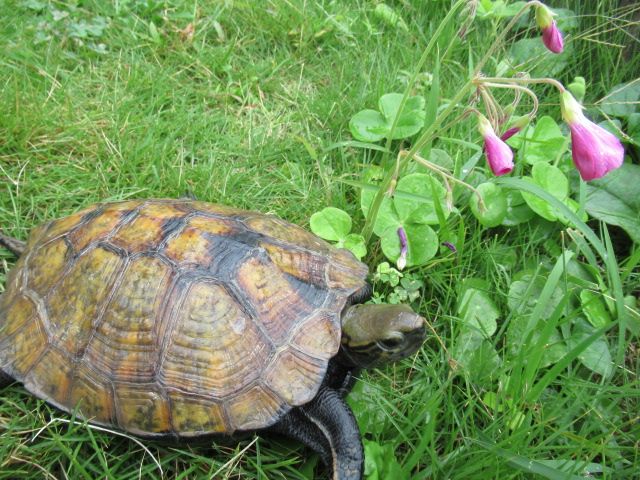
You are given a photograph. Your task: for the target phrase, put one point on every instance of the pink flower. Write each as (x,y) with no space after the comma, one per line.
(499,155)
(402,259)
(595,151)
(551,36)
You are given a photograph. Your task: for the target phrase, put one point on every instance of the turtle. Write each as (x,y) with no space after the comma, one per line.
(178,319)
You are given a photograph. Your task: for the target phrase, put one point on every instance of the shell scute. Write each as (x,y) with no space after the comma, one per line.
(80,297)
(51,376)
(22,338)
(92,394)
(257,407)
(277,301)
(195,243)
(303,378)
(64,225)
(146,230)
(319,335)
(126,337)
(96,228)
(193,416)
(46,265)
(287,233)
(215,347)
(142,409)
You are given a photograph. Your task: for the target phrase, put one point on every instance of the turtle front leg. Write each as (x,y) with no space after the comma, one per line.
(327,425)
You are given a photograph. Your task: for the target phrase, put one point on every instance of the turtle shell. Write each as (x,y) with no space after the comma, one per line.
(175,317)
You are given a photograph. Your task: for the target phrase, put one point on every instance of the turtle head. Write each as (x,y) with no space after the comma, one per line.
(376,334)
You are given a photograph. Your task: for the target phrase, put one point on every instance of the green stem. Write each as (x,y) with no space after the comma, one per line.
(367,230)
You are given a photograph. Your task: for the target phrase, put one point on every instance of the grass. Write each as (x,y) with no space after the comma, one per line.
(101,105)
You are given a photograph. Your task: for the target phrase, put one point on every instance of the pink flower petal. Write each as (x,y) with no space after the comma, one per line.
(595,151)
(552,38)
(499,155)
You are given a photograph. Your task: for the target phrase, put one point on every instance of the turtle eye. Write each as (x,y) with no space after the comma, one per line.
(391,343)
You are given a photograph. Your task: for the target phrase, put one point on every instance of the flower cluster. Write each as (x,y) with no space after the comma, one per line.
(595,151)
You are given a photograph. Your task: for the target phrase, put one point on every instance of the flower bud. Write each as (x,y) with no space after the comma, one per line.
(595,151)
(499,155)
(515,126)
(551,36)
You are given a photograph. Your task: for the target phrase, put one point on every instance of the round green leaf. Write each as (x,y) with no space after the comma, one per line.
(411,118)
(368,126)
(354,242)
(554,350)
(596,357)
(476,357)
(422,243)
(517,209)
(574,207)
(552,180)
(495,204)
(594,308)
(389,104)
(387,215)
(331,224)
(544,142)
(415,199)
(479,312)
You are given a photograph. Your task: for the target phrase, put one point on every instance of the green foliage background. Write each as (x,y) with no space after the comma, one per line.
(243,103)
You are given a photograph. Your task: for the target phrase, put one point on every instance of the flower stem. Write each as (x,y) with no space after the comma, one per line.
(367,230)
(447,176)
(524,81)
(525,90)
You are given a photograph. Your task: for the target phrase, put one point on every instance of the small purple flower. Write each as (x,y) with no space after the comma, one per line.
(595,151)
(499,155)
(551,36)
(450,246)
(402,259)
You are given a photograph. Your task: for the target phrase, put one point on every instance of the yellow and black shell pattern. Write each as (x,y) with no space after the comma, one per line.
(175,317)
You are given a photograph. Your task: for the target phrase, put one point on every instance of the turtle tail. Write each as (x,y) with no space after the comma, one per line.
(14,245)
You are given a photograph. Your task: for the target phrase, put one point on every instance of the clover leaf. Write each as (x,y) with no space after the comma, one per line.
(412,207)
(495,205)
(334,225)
(422,243)
(415,199)
(368,126)
(331,224)
(542,143)
(372,126)
(552,180)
